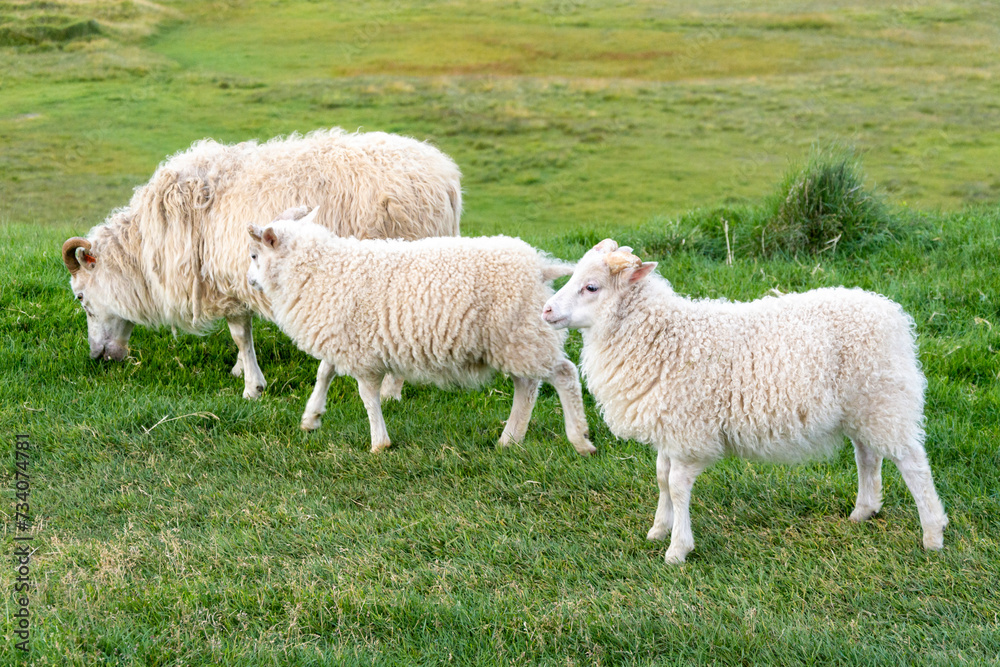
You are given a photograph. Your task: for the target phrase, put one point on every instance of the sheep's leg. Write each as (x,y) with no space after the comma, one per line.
(238,367)
(253,379)
(567,383)
(663,521)
(369,389)
(869,500)
(681,478)
(392,387)
(525,393)
(917,475)
(316,405)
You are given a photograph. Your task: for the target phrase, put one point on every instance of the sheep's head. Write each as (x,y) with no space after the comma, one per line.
(98,283)
(601,276)
(270,240)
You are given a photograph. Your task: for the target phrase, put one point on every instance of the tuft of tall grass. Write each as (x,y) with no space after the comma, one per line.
(824,206)
(819,208)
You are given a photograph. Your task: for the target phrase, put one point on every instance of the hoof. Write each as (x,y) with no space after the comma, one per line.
(657,533)
(310,422)
(674,557)
(376,448)
(585,448)
(934,541)
(253,393)
(864,513)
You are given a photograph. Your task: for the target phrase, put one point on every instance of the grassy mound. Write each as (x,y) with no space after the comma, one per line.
(821,207)
(33,23)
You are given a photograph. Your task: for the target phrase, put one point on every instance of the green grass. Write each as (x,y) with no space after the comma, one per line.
(227,536)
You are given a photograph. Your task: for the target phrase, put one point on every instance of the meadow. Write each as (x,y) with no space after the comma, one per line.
(175,523)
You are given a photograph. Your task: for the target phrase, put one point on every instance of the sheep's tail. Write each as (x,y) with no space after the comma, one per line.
(552,270)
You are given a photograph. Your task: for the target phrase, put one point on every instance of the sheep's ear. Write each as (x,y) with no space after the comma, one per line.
(310,216)
(269,237)
(607,245)
(644,270)
(85,259)
(294,213)
(254,232)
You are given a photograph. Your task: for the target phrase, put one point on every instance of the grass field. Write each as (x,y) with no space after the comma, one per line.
(176,523)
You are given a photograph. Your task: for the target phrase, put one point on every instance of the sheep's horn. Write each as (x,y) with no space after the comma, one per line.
(618,261)
(69,252)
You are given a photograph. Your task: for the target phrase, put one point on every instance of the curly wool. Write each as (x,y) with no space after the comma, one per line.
(779,379)
(183,235)
(444,311)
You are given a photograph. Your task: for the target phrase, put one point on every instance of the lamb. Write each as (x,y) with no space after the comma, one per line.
(447,311)
(175,256)
(779,379)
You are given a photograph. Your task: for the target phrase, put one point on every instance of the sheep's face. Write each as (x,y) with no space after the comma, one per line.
(599,279)
(94,285)
(268,242)
(263,245)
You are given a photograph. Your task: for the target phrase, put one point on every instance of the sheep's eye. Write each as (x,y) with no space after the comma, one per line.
(79,296)
(253,256)
(591,287)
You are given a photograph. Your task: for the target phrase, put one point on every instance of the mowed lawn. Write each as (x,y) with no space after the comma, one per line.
(175,523)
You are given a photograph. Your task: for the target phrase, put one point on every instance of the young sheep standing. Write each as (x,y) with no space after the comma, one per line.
(778,379)
(447,311)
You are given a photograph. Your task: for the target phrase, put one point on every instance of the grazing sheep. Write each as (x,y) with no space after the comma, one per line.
(778,379)
(176,255)
(447,311)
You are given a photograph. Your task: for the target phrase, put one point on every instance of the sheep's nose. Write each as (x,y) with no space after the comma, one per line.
(546,310)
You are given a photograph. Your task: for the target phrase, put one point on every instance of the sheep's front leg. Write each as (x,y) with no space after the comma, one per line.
(525,393)
(681,479)
(253,379)
(369,387)
(663,521)
(316,405)
(566,380)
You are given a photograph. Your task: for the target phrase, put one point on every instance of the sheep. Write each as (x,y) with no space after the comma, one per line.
(779,379)
(175,256)
(447,311)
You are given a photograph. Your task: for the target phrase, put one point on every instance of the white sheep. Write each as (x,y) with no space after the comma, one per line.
(176,255)
(779,379)
(447,311)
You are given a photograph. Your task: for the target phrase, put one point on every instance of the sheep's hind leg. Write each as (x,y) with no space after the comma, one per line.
(316,406)
(241,328)
(369,390)
(566,380)
(525,393)
(869,500)
(662,522)
(392,387)
(917,474)
(681,479)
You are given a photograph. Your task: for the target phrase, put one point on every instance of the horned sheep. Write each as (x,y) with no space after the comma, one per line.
(779,379)
(446,311)
(176,255)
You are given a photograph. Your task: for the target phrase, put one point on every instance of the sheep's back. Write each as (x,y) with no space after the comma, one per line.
(444,311)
